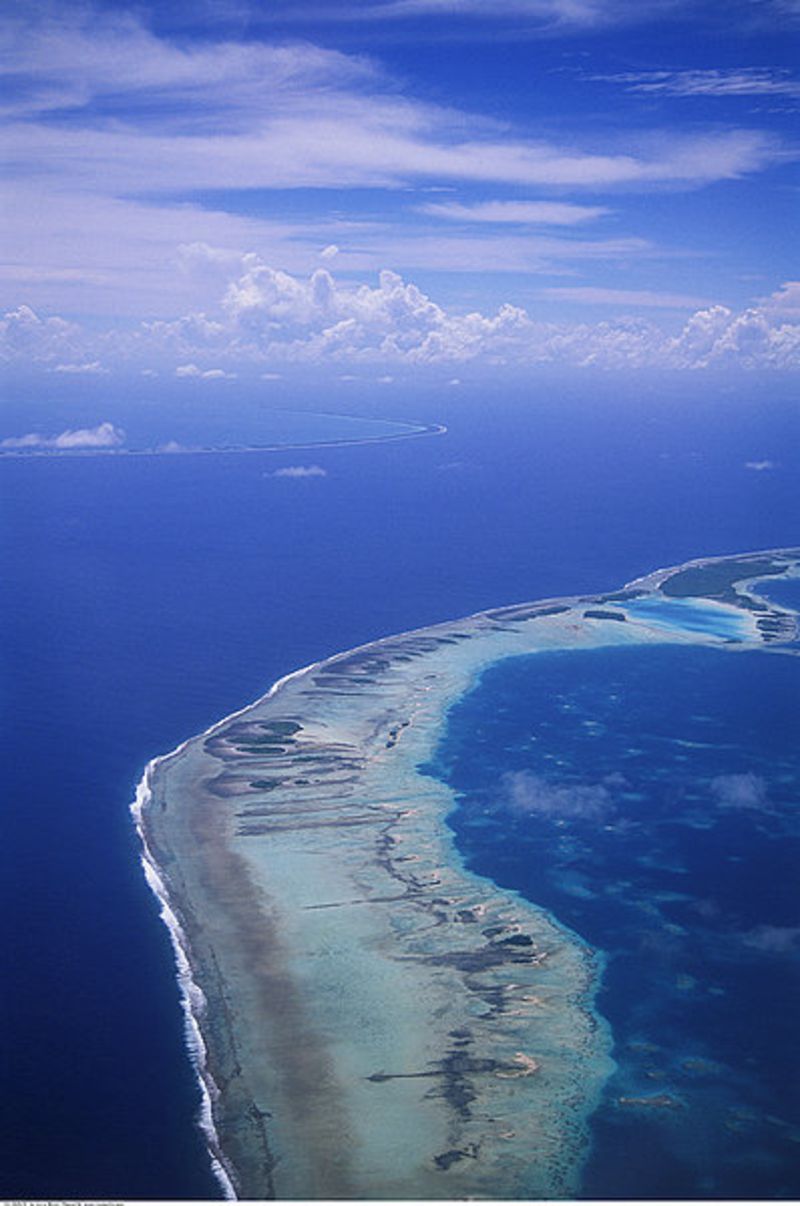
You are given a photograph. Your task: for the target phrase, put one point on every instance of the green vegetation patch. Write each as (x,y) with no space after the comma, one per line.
(717,580)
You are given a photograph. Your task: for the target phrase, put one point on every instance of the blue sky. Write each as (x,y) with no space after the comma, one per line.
(234,188)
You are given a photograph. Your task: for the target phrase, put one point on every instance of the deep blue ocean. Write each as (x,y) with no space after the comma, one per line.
(143,599)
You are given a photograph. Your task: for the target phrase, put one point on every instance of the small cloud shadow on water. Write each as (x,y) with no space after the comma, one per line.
(526,793)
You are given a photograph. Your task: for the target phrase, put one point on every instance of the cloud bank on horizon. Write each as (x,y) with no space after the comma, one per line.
(182,183)
(270,317)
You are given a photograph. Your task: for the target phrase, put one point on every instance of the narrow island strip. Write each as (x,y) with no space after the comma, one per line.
(368,1018)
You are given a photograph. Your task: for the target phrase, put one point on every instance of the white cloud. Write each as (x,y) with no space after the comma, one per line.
(23,333)
(91,367)
(83,54)
(542,15)
(270,318)
(738,81)
(760,466)
(105,435)
(533,213)
(749,340)
(213,374)
(330,252)
(300,471)
(364,141)
(784,301)
(152,118)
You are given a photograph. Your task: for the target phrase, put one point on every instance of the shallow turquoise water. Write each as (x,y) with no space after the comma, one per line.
(648,797)
(691,615)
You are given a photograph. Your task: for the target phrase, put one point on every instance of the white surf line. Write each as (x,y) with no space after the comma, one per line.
(192,998)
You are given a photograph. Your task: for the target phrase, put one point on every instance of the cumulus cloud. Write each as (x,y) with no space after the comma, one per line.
(745,791)
(105,435)
(525,792)
(269,318)
(318,319)
(784,301)
(24,334)
(751,339)
(300,471)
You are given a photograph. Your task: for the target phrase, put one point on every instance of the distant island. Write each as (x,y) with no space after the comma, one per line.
(367,1017)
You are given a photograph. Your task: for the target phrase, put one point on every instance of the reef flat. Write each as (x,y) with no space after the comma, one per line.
(368,1018)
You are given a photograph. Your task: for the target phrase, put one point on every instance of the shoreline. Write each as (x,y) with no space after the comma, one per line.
(493,627)
(192,998)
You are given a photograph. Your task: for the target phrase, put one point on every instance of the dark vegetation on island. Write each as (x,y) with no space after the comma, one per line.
(716,579)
